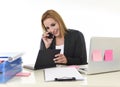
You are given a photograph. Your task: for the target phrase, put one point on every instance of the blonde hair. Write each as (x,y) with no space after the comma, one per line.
(53,14)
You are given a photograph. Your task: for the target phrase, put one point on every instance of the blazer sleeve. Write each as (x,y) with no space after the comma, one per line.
(42,45)
(78,53)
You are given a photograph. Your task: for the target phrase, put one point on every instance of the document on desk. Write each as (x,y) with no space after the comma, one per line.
(62,74)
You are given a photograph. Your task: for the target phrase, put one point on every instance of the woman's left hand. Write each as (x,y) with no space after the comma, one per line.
(60,58)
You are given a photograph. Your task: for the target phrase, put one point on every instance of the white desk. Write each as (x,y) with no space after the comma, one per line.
(36,79)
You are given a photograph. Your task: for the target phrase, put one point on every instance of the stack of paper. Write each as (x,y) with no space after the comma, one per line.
(62,72)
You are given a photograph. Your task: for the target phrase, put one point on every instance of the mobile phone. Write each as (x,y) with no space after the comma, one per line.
(50,35)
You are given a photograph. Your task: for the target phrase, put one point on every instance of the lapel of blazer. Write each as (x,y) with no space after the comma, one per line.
(66,44)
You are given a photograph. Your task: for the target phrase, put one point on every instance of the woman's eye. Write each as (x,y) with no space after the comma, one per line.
(47,27)
(52,24)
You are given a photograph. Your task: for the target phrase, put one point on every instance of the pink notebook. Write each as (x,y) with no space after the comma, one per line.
(24,74)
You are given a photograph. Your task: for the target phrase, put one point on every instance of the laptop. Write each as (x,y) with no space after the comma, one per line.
(104,55)
(44,59)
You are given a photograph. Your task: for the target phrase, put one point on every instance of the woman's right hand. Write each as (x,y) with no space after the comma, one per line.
(47,41)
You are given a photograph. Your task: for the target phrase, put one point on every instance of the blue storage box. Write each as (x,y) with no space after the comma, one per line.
(10,69)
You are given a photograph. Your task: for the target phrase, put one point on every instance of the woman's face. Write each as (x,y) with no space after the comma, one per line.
(52,26)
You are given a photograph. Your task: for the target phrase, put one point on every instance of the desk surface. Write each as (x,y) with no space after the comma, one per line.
(36,79)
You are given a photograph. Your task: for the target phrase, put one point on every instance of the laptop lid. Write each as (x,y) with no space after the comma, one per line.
(44,59)
(104,55)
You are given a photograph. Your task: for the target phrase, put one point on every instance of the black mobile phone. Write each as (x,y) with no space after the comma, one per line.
(50,36)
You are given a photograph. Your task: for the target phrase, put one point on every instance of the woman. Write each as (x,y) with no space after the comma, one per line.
(71,42)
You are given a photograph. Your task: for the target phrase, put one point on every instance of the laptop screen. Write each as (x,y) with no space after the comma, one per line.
(45,58)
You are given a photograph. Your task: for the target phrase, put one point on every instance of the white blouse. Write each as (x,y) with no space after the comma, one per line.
(61,52)
(60,47)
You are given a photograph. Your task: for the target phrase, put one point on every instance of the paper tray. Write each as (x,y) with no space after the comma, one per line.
(9,69)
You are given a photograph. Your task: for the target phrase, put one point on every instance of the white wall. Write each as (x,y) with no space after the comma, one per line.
(20,27)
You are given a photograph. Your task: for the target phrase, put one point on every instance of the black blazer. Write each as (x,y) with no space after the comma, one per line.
(74,47)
